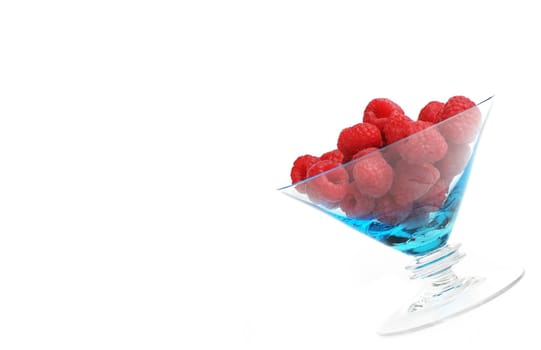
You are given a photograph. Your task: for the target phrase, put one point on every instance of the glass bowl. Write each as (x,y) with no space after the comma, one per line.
(407,196)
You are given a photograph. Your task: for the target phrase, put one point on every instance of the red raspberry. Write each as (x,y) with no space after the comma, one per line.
(372,175)
(396,129)
(380,110)
(334,155)
(364,152)
(358,137)
(417,126)
(455,160)
(330,187)
(321,166)
(455,105)
(464,120)
(429,113)
(423,145)
(358,155)
(435,197)
(411,181)
(389,212)
(357,205)
(301,166)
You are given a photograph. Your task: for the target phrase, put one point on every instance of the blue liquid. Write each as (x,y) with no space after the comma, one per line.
(415,236)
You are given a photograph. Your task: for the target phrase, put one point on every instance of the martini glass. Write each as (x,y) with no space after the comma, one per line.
(415,213)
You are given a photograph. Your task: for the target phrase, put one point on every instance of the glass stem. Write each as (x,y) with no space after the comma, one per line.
(441,283)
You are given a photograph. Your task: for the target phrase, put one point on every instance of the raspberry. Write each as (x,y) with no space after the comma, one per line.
(372,175)
(464,120)
(417,126)
(364,152)
(455,105)
(391,155)
(455,161)
(389,212)
(334,155)
(429,113)
(396,129)
(321,166)
(355,204)
(411,181)
(358,137)
(301,166)
(380,110)
(434,198)
(330,187)
(423,145)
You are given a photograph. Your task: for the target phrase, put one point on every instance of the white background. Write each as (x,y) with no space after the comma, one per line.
(141,143)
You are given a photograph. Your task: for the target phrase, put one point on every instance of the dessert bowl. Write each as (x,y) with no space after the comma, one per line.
(407,195)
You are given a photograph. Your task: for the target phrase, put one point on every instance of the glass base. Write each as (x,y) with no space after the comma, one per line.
(429,309)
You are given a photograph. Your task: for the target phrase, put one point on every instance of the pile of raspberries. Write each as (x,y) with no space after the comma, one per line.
(373,175)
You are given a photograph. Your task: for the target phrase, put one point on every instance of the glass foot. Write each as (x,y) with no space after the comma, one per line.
(447,295)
